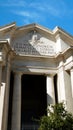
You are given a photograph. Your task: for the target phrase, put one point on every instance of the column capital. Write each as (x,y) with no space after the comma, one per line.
(18,73)
(50,75)
(61,69)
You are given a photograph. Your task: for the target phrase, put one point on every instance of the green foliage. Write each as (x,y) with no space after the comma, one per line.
(58,119)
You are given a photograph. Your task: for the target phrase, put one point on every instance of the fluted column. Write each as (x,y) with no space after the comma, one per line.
(16,109)
(50,90)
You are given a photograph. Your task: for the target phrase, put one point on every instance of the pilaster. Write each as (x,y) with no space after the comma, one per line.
(5,86)
(64,89)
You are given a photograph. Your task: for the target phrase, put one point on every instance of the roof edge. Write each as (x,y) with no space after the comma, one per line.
(58,30)
(7,26)
(34,26)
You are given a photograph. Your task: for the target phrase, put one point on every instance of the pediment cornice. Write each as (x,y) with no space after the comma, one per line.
(52,34)
(7,27)
(62,34)
(57,32)
(34,27)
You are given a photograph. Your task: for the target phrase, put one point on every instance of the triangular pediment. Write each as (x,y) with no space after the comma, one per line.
(34,27)
(33,43)
(34,39)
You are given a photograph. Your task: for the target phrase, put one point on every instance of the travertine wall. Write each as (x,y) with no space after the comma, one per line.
(34,50)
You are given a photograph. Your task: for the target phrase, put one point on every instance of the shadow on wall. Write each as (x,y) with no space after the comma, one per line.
(49,100)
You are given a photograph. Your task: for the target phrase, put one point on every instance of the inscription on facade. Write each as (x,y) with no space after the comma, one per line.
(34,44)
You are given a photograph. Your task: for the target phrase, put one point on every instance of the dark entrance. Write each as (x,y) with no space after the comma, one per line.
(34,101)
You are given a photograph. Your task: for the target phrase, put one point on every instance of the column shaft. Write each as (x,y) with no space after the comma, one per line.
(16,110)
(50,90)
(0,77)
(5,89)
(71,72)
(1,101)
(64,89)
(61,86)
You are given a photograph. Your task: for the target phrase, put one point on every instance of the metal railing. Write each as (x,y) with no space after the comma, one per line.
(30,127)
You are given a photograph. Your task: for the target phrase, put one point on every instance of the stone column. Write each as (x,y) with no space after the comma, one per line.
(5,89)
(64,89)
(0,77)
(50,90)
(61,85)
(71,73)
(1,102)
(16,108)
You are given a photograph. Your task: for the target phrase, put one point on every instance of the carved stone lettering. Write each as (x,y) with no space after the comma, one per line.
(34,44)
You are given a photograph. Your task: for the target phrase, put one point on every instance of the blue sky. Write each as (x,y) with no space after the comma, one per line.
(48,13)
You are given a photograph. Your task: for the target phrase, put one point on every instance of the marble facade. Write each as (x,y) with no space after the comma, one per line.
(33,49)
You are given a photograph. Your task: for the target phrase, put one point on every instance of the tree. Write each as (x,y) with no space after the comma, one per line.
(58,119)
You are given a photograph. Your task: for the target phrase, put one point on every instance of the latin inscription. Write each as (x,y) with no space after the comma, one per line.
(36,45)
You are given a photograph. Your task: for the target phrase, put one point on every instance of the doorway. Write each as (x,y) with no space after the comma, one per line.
(34,99)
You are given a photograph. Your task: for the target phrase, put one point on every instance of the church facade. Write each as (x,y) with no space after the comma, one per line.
(36,69)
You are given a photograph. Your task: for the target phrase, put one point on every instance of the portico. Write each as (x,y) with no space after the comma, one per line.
(36,69)
(31,99)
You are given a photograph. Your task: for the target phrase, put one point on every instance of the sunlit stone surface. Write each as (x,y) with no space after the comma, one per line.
(36,69)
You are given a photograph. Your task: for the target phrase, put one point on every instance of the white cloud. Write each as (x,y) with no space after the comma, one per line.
(23,13)
(54,8)
(29,14)
(38,11)
(57,8)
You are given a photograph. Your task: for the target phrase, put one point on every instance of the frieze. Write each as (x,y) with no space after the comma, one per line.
(33,44)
